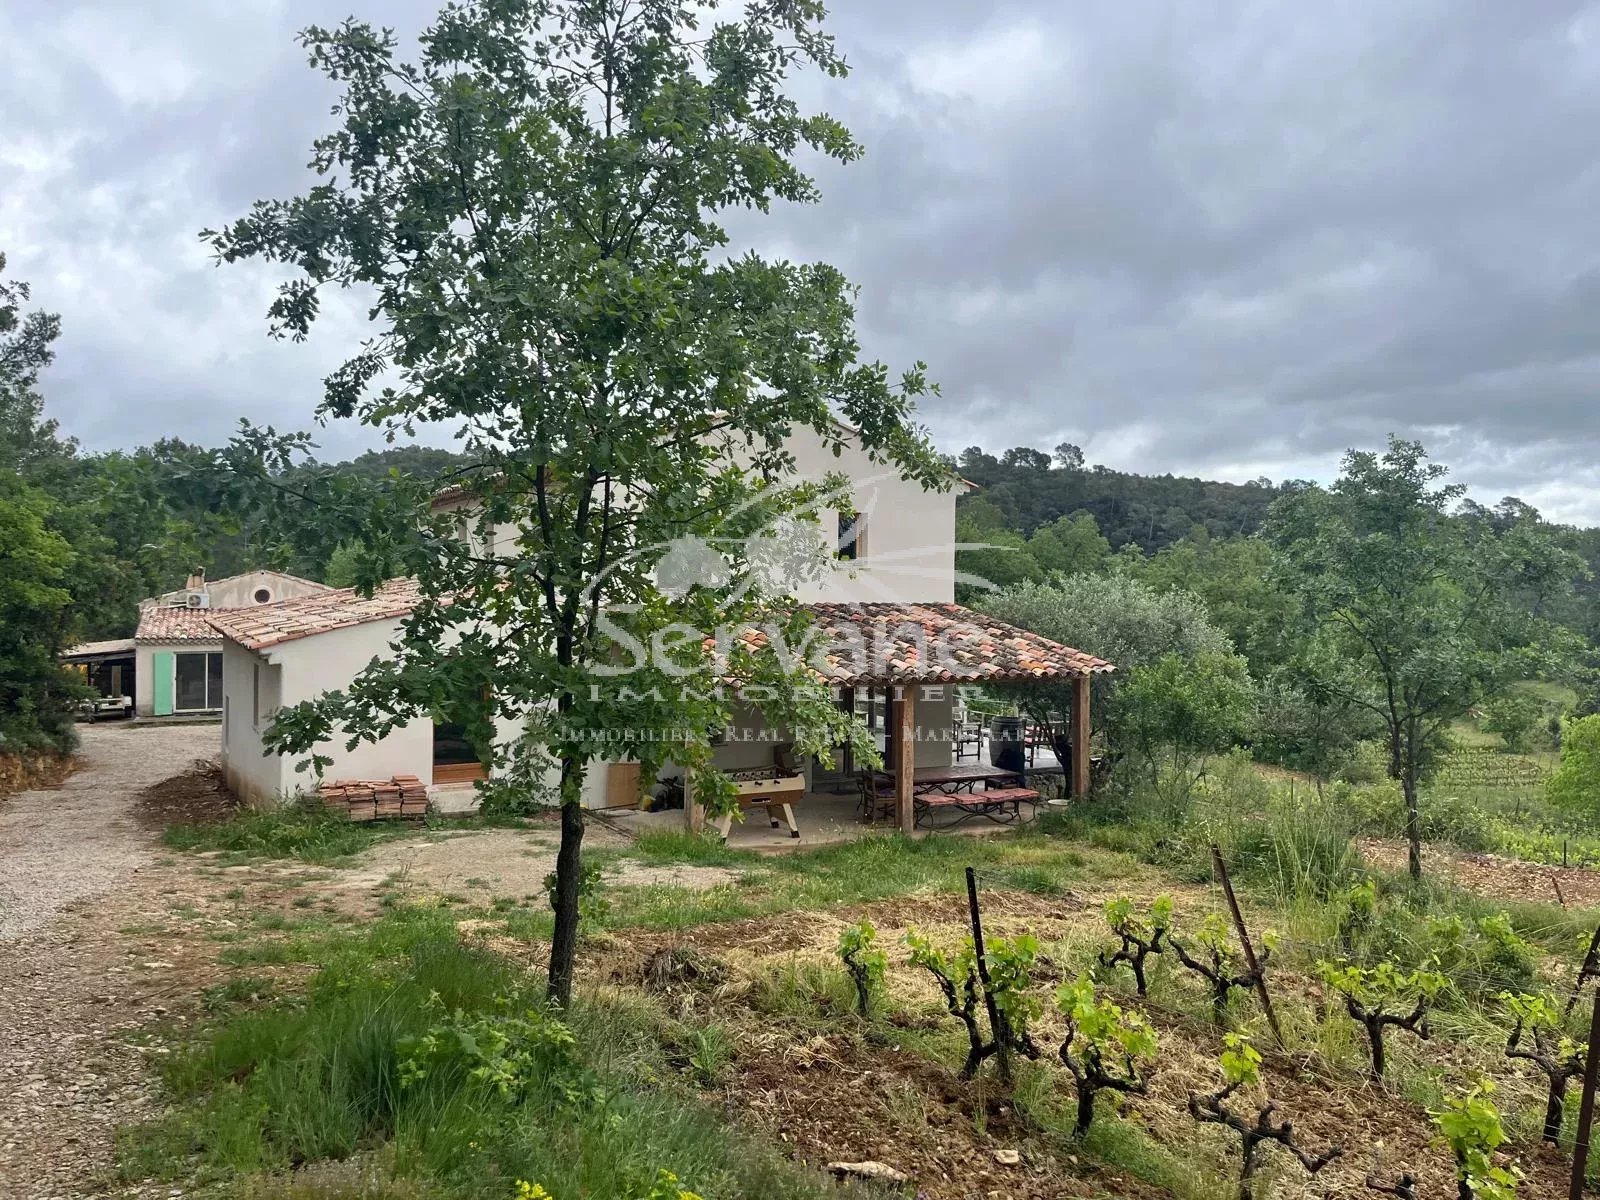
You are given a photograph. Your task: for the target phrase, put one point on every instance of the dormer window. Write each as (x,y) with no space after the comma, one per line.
(850,544)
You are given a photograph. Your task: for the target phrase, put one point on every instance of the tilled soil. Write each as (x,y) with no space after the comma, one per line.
(78,875)
(837,1095)
(1494,875)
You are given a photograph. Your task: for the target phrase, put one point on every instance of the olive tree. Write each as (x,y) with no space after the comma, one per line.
(1125,622)
(530,203)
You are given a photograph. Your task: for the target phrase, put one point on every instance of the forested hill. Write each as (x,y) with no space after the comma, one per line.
(1030,488)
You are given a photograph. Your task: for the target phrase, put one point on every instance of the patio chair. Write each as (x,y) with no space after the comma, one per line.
(877,796)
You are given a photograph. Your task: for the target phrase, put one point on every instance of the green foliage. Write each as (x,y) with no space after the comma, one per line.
(1140,936)
(1358,912)
(307,832)
(1104,1047)
(1010,964)
(1381,986)
(592,903)
(1133,626)
(1514,716)
(1575,786)
(1151,511)
(1240,1061)
(1483,957)
(1219,962)
(1071,545)
(1233,578)
(1176,712)
(36,695)
(1436,611)
(517,1056)
(864,960)
(440,1053)
(1469,1124)
(529,190)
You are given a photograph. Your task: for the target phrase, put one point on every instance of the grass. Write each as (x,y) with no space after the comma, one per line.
(871,868)
(439,1054)
(304,832)
(284,1078)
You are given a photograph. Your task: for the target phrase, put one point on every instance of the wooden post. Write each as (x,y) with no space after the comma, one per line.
(1244,941)
(1080,735)
(1580,1144)
(847,755)
(1586,972)
(905,757)
(999,1031)
(694,814)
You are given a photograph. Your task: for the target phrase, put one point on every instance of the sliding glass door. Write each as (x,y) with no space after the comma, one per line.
(198,681)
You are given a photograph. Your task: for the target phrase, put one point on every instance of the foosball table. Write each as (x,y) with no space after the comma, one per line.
(766,787)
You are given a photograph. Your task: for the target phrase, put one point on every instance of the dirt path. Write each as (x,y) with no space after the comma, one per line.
(79,880)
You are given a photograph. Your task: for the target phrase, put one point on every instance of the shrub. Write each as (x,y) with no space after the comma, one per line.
(1514,716)
(1009,964)
(1575,786)
(1538,1036)
(1140,936)
(1372,994)
(1220,963)
(865,962)
(1240,1063)
(1470,1126)
(1484,957)
(1105,1049)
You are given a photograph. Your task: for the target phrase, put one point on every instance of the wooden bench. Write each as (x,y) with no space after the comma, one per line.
(1002,805)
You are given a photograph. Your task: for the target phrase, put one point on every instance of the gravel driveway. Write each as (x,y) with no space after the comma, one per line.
(76,873)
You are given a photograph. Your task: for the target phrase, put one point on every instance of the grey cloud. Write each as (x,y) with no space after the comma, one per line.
(1192,237)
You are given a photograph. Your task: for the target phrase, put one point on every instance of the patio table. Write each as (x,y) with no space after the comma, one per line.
(956,786)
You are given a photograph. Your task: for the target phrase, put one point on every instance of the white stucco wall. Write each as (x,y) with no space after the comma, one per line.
(304,670)
(239,591)
(909,551)
(144,670)
(256,777)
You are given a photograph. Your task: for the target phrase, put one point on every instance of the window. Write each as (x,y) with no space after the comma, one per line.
(263,596)
(850,543)
(198,681)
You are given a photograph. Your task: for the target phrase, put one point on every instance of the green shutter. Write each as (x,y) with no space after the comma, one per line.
(162,674)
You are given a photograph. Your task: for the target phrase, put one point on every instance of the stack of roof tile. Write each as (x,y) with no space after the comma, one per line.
(373,799)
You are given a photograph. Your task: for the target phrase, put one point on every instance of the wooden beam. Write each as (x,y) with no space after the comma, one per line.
(1080,735)
(905,757)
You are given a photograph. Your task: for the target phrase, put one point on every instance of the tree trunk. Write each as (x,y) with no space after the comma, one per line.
(1085,1110)
(1375,1042)
(569,878)
(1247,1170)
(1408,784)
(1553,1112)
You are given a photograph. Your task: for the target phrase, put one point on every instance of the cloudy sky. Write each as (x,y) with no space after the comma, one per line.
(1216,238)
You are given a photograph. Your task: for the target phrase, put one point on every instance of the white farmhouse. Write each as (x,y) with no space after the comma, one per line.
(892,582)
(172,665)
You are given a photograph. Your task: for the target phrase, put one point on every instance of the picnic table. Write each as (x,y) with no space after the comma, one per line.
(969,788)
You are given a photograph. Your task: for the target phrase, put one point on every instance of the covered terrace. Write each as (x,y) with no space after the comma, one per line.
(910,662)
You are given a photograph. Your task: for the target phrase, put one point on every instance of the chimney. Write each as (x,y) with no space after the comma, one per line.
(196,581)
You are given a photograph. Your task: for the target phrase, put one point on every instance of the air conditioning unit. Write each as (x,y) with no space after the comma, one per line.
(197,600)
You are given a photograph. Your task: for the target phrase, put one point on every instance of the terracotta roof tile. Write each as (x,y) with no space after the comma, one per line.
(264,625)
(935,643)
(903,643)
(175,623)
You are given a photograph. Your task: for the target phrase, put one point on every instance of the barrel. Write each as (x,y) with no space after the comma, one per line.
(1005,744)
